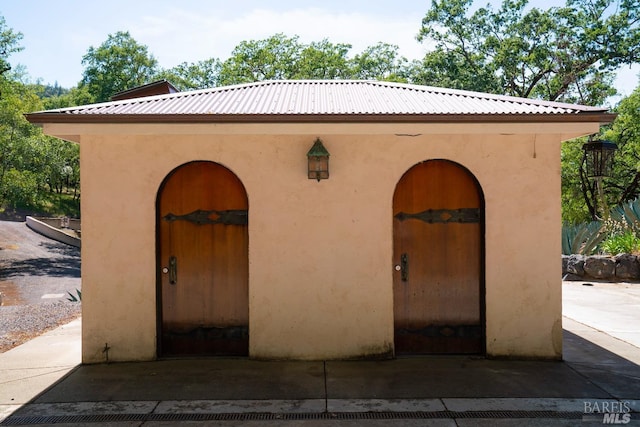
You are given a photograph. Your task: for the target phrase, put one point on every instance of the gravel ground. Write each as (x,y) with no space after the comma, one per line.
(20,323)
(36,276)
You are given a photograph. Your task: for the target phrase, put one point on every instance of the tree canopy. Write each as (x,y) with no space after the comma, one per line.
(199,75)
(9,40)
(566,53)
(281,57)
(118,64)
(31,164)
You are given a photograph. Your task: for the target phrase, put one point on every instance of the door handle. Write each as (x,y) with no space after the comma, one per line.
(173,270)
(404,267)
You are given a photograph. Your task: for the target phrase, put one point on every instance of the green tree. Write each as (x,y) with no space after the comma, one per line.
(625,132)
(9,40)
(120,63)
(280,57)
(256,60)
(28,159)
(198,75)
(560,54)
(17,136)
(78,95)
(18,140)
(61,169)
(380,62)
(58,97)
(574,208)
(321,60)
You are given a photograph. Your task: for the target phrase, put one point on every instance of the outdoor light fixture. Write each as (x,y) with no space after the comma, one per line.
(318,158)
(598,157)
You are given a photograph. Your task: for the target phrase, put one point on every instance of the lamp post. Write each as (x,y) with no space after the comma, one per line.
(598,160)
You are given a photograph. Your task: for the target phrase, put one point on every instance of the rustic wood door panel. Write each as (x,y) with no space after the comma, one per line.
(203,262)
(437,227)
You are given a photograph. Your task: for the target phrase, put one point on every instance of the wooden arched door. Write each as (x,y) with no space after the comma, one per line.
(438,285)
(202,213)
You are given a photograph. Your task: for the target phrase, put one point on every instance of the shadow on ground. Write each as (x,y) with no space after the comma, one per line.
(618,376)
(588,372)
(51,267)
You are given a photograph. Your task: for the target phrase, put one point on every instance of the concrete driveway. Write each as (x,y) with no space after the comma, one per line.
(610,307)
(37,274)
(34,268)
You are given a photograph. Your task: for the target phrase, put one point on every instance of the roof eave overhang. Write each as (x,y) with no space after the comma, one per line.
(51,117)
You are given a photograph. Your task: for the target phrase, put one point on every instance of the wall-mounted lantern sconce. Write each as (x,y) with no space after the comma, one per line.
(318,158)
(598,157)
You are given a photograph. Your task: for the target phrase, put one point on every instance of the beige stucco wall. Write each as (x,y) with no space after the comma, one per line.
(320,253)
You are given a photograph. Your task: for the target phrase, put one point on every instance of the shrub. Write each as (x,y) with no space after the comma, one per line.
(622,243)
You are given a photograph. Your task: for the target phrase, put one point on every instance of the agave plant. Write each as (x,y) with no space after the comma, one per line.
(583,238)
(74,298)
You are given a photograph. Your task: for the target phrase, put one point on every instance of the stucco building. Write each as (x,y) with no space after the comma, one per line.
(205,232)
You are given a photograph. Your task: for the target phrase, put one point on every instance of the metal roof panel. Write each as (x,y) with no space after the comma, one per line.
(353,98)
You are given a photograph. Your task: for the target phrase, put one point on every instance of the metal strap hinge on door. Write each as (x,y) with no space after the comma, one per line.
(203,217)
(432,216)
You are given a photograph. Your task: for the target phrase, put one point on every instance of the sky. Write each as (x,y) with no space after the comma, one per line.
(57,34)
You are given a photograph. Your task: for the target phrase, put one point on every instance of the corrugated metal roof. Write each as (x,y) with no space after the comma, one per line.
(313,100)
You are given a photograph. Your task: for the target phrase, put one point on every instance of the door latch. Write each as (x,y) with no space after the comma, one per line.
(404,267)
(173,270)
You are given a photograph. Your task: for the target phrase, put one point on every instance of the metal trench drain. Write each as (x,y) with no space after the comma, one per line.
(83,419)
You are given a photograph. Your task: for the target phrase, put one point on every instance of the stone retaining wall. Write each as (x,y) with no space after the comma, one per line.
(621,267)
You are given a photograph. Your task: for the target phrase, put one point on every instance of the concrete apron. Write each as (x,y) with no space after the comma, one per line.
(407,390)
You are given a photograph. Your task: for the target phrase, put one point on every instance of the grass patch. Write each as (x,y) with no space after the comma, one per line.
(63,204)
(47,204)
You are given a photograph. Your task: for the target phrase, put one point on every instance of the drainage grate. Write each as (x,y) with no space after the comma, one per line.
(84,419)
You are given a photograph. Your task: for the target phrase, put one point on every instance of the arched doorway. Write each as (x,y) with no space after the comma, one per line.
(203,297)
(438,239)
